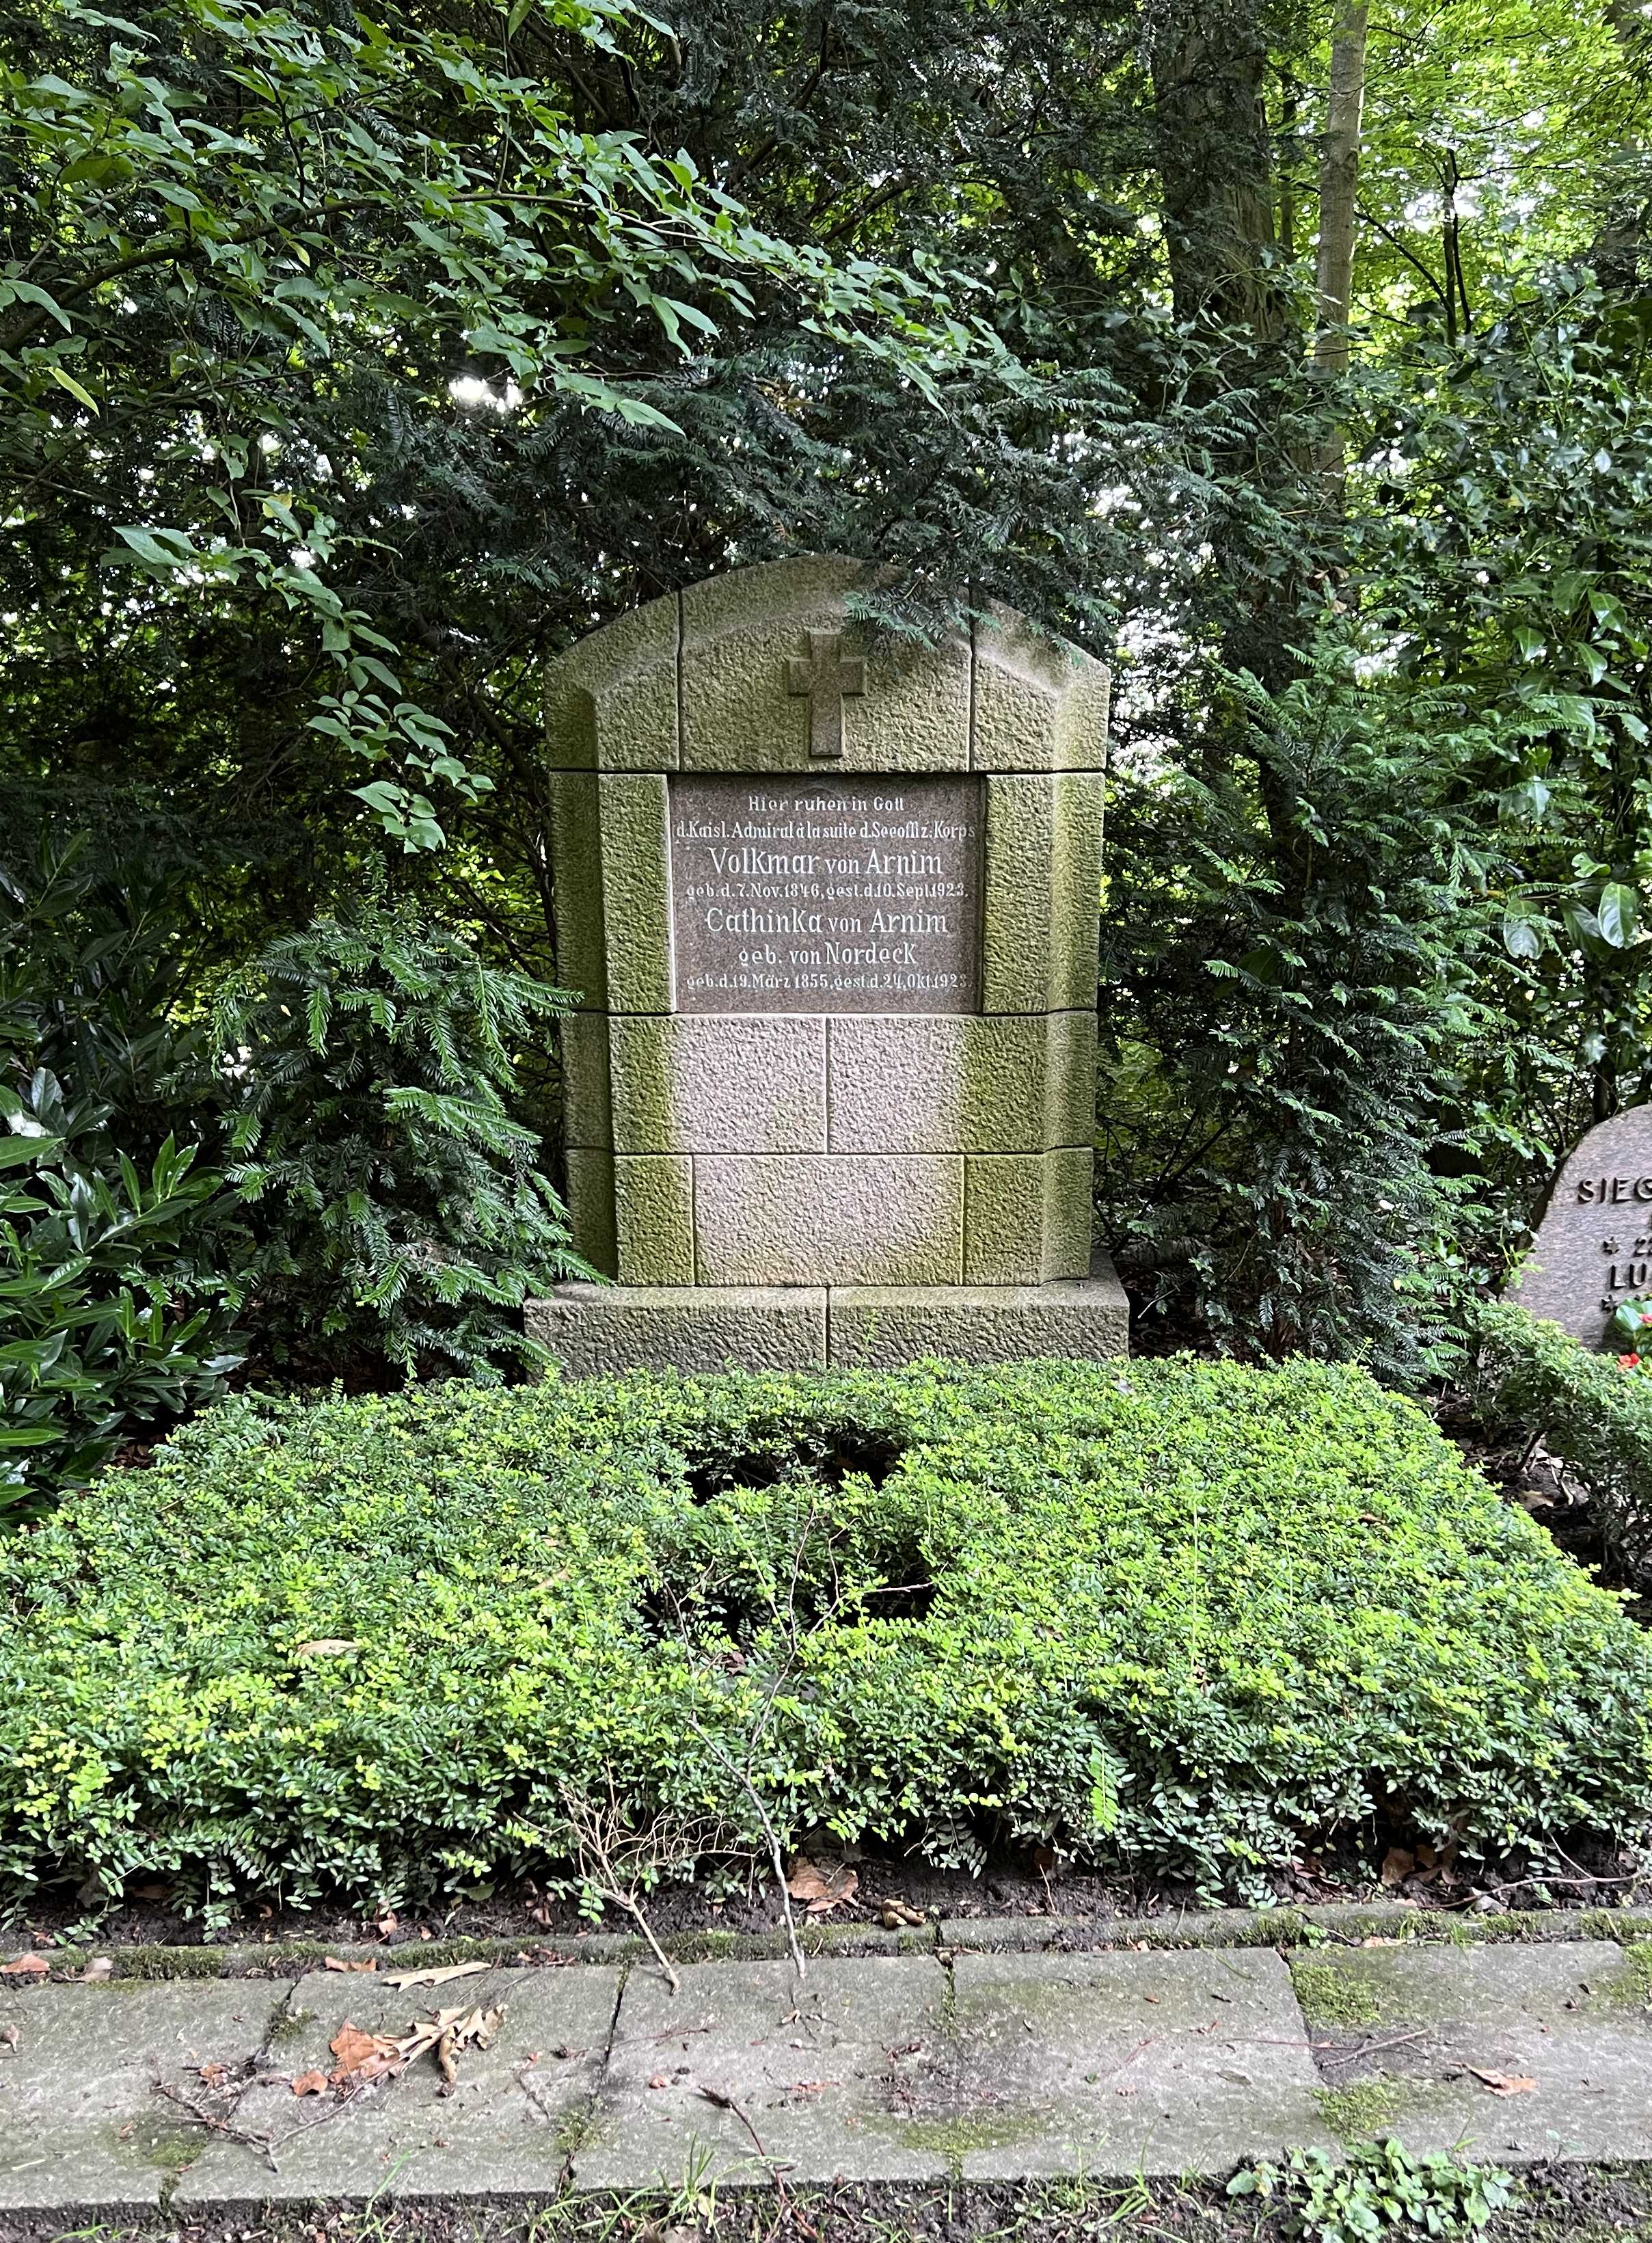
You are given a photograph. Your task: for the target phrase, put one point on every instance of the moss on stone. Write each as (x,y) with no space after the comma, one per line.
(1358,2113)
(1333,1996)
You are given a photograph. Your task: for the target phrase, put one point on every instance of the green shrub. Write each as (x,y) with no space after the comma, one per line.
(398,1215)
(1526,1376)
(113,1321)
(1185,1617)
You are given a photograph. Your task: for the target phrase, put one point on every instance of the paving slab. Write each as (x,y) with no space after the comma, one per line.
(749,2071)
(82,2123)
(1402,2032)
(503,2130)
(1116,2063)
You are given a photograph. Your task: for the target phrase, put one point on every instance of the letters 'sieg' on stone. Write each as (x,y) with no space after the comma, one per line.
(832,919)
(1593,1250)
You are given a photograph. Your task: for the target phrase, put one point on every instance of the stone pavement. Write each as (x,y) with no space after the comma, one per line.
(980,2057)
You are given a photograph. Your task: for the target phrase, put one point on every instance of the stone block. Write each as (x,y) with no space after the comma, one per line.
(505,2130)
(1120,2063)
(604,1331)
(1001,1083)
(81,2122)
(1003,1219)
(740,631)
(654,1218)
(1571,2018)
(1070,1077)
(1027,1219)
(636,894)
(828,1219)
(1043,898)
(719,1083)
(812,2069)
(1039,705)
(881,1327)
(611,702)
(576,881)
(590,1206)
(587,1104)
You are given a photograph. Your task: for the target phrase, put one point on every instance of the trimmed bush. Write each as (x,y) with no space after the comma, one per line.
(1529,1377)
(1183,1618)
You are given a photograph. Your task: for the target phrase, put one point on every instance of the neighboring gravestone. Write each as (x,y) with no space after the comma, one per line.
(1593,1247)
(831,915)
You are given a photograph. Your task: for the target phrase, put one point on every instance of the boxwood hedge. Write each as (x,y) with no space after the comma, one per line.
(1179,1617)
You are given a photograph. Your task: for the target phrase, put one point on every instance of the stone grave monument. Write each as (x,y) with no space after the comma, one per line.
(1594,1246)
(831,917)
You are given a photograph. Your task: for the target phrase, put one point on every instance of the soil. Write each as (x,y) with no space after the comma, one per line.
(1582,2204)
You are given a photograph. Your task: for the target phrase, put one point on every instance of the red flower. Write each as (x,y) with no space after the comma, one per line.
(1628,1361)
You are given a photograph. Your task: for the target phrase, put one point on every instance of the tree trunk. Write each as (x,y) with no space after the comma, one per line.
(1618,246)
(1214,162)
(1338,181)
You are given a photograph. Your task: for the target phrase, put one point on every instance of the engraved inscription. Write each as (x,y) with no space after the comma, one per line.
(816,895)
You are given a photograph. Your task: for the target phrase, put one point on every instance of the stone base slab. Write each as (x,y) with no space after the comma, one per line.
(603,1330)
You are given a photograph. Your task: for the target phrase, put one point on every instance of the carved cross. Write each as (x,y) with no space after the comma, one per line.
(825,677)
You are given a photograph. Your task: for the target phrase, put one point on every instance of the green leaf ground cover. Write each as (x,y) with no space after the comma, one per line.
(1186,1618)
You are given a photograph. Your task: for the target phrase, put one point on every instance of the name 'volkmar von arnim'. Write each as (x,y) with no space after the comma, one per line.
(750,864)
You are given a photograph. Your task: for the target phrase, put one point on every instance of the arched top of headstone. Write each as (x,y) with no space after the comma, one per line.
(1594,1246)
(764,670)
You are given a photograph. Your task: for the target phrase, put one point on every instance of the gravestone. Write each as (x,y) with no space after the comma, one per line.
(831,915)
(1594,1246)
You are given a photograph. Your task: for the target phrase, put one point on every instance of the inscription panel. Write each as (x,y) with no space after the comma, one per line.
(826,895)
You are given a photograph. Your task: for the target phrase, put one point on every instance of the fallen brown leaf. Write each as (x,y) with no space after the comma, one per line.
(213,2075)
(333,1963)
(1397,1865)
(1504,2083)
(462,2030)
(9,2037)
(26,1966)
(363,2056)
(658,2080)
(896,1913)
(99,1967)
(311,2083)
(821,1889)
(387,1925)
(436,1975)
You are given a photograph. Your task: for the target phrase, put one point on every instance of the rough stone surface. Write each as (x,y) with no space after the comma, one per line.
(1111,2063)
(636,894)
(587,1103)
(505,2131)
(883,1326)
(576,851)
(654,1218)
(862,1219)
(611,702)
(1594,1246)
(739,633)
(81,2121)
(1572,2018)
(1038,706)
(590,1206)
(809,2067)
(603,1331)
(1004,1222)
(1043,896)
(718,1083)
(1001,1083)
